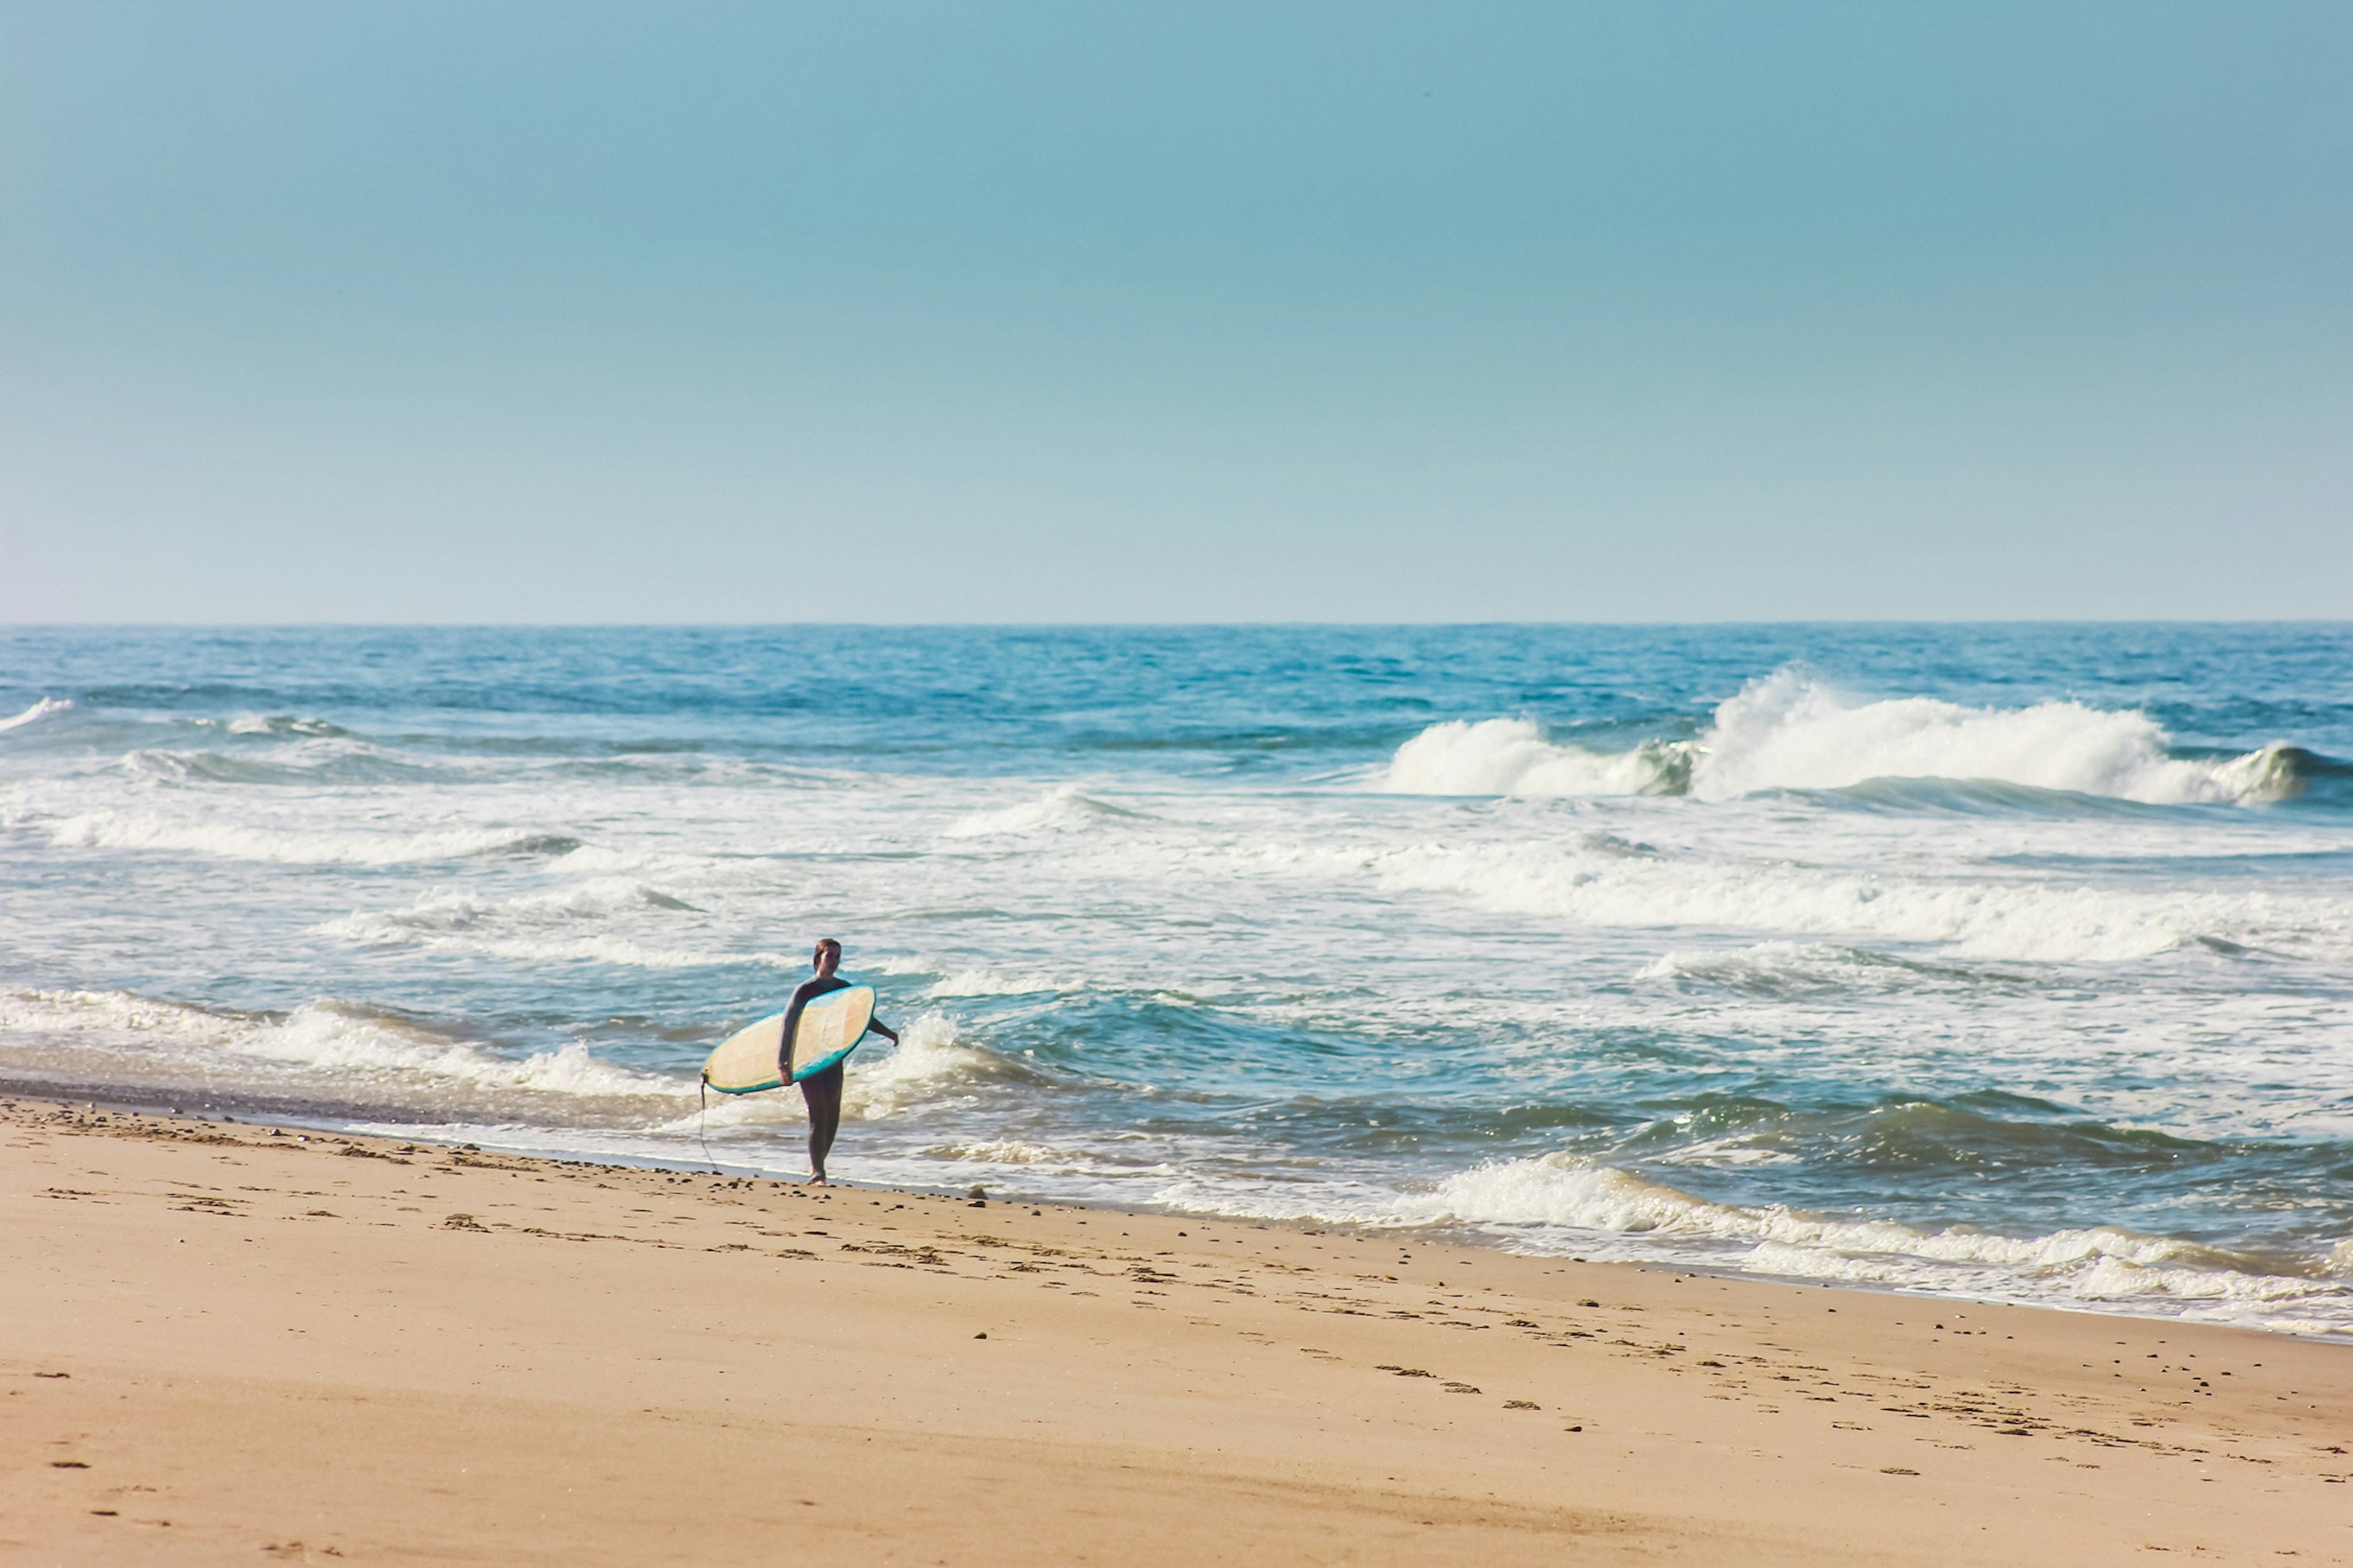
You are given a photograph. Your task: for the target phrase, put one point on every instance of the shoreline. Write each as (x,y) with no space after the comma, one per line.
(395,1349)
(259,1110)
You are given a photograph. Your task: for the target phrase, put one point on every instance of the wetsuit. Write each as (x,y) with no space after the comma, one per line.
(821,1092)
(806,992)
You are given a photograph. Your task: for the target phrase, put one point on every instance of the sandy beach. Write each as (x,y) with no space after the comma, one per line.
(226,1341)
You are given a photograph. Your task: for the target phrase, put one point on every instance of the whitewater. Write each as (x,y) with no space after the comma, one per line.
(2005,962)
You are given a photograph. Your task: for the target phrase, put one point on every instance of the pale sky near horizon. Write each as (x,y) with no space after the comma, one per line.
(586,312)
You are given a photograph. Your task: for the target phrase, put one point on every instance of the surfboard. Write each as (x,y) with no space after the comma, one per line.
(830,1028)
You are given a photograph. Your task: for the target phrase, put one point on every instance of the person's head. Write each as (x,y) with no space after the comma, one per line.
(828,956)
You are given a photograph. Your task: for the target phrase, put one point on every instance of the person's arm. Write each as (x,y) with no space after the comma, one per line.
(785,1041)
(877,1025)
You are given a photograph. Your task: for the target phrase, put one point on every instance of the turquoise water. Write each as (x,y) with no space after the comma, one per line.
(2000,961)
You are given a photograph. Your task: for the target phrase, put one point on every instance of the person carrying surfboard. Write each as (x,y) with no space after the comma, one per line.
(821,1092)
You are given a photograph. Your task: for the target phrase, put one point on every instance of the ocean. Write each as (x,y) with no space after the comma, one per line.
(2011,962)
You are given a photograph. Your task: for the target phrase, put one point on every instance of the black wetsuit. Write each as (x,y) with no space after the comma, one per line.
(820,1091)
(806,992)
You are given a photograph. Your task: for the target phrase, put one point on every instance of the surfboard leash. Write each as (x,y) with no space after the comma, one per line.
(703,1121)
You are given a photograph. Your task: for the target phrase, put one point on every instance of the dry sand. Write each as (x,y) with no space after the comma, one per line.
(218,1344)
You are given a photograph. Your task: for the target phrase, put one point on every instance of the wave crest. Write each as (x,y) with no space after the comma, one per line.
(236,841)
(284,724)
(1789,731)
(932,1062)
(1059,809)
(1805,969)
(1570,880)
(984,981)
(351,1046)
(37,711)
(1509,756)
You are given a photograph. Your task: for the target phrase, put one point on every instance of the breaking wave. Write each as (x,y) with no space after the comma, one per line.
(1788,732)
(334,1038)
(308,762)
(995,982)
(2101,1264)
(1059,809)
(1576,880)
(284,724)
(37,711)
(1008,1151)
(568,924)
(932,1062)
(239,841)
(1806,969)
(340,1054)
(1509,756)
(617,952)
(434,914)
(359,1050)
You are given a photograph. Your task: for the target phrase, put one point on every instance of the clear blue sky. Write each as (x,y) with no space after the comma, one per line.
(503,312)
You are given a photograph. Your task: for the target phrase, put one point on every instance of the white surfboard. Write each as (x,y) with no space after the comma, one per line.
(830,1028)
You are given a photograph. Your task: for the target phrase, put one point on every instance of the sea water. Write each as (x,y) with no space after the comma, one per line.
(2008,963)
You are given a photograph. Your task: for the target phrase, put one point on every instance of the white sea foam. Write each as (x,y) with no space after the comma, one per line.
(1059,809)
(37,711)
(2099,1264)
(330,1039)
(1045,1159)
(993,982)
(1105,1174)
(1734,1150)
(1559,1190)
(932,1062)
(281,724)
(1511,756)
(618,950)
(1003,1151)
(592,898)
(568,923)
(231,840)
(1977,917)
(1786,968)
(2085,1278)
(609,860)
(33,1016)
(326,760)
(1787,731)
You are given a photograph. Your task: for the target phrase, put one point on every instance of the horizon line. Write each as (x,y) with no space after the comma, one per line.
(264,625)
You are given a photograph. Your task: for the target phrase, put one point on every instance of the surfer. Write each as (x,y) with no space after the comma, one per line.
(821,1091)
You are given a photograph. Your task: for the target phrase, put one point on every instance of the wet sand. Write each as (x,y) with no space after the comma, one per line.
(224,1343)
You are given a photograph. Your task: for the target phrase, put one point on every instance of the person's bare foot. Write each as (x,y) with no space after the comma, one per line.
(815,1179)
